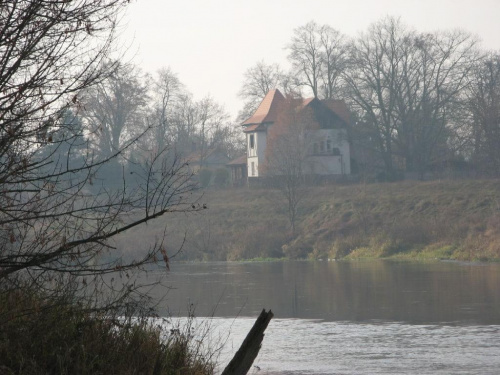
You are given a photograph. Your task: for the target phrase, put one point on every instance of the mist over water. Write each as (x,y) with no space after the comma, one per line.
(376,317)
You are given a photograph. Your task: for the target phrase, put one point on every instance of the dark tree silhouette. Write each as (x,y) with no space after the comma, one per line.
(56,220)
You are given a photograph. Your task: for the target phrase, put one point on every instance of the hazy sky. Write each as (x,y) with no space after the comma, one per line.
(211,43)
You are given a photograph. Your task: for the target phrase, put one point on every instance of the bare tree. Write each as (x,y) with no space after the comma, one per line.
(258,81)
(211,118)
(115,109)
(306,55)
(185,118)
(229,139)
(52,227)
(483,104)
(434,75)
(166,92)
(334,50)
(199,126)
(405,84)
(319,57)
(371,81)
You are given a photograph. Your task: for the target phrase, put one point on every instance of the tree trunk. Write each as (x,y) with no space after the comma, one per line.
(248,351)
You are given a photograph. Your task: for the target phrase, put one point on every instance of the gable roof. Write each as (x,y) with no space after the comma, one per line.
(268,109)
(328,113)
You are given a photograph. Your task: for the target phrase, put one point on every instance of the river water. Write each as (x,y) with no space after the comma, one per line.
(365,317)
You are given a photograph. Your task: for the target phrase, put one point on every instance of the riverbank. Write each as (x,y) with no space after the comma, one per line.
(41,335)
(408,220)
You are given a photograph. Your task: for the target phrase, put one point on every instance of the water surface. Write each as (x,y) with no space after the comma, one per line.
(417,293)
(366,317)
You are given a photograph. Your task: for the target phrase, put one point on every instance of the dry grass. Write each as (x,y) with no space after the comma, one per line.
(44,336)
(414,219)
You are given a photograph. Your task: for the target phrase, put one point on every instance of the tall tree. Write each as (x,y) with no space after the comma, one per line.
(115,109)
(184,120)
(165,92)
(306,55)
(318,54)
(405,85)
(334,51)
(211,119)
(371,79)
(258,81)
(483,104)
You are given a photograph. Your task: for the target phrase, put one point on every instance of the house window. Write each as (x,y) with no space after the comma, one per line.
(253,166)
(252,141)
(335,151)
(329,145)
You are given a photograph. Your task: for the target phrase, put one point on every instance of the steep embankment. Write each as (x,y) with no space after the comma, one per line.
(440,219)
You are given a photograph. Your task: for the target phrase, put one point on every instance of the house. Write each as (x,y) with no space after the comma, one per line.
(328,152)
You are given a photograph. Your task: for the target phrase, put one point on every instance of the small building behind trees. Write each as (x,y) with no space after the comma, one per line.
(308,136)
(209,165)
(238,168)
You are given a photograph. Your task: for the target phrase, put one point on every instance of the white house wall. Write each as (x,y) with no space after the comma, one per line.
(321,160)
(321,163)
(324,165)
(257,154)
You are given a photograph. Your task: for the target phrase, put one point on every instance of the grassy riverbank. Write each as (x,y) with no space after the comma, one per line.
(410,220)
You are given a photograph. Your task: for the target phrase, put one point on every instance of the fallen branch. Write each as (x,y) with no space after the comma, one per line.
(248,351)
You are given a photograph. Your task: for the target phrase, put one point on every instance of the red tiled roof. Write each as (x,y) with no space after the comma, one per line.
(268,109)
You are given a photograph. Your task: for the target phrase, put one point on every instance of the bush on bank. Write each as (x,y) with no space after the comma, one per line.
(41,336)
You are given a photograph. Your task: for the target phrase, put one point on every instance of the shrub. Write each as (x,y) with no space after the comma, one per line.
(259,241)
(40,337)
(343,246)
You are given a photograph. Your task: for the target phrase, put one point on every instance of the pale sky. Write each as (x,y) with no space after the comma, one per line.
(211,43)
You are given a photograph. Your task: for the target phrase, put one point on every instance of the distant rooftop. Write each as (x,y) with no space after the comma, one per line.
(268,109)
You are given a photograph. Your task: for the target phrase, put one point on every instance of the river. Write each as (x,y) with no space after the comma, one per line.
(362,317)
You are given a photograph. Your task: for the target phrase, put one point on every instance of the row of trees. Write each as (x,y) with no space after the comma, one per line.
(419,100)
(129,102)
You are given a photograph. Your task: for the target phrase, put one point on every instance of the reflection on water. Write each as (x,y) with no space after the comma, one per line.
(373,317)
(416,293)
